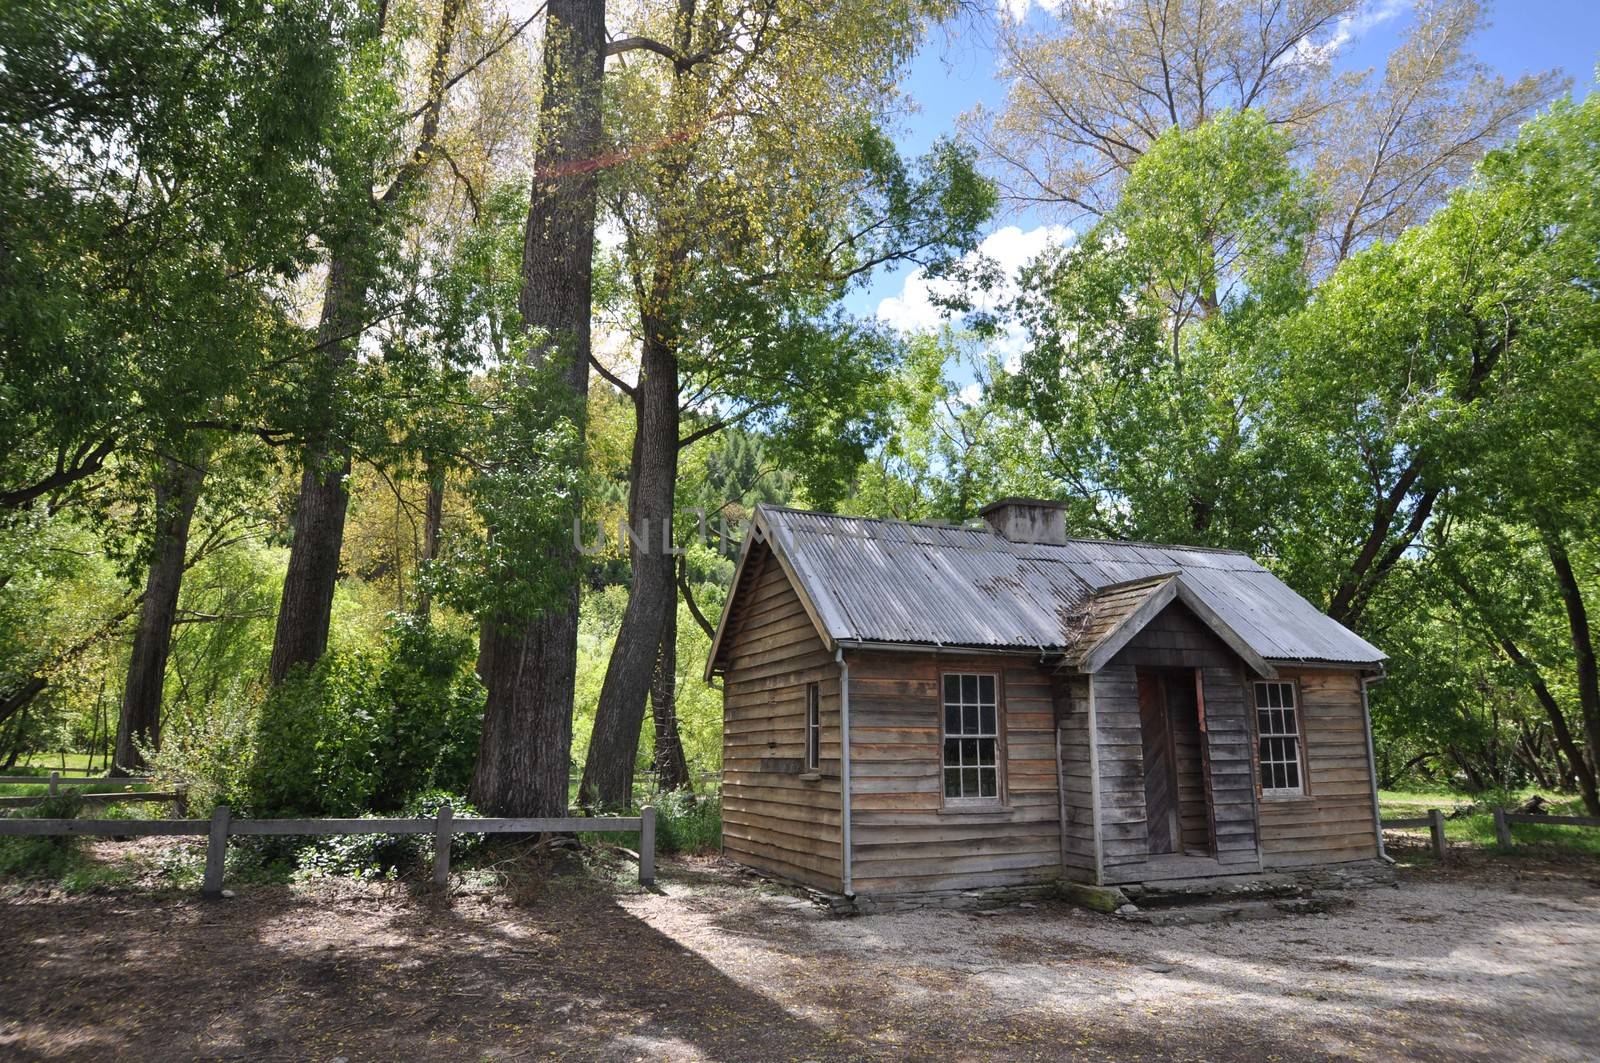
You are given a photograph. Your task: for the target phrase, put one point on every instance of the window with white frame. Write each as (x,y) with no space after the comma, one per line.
(971,738)
(1278,731)
(813,727)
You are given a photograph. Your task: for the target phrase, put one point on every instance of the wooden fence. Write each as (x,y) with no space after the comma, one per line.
(1504,819)
(1434,821)
(55,782)
(443,827)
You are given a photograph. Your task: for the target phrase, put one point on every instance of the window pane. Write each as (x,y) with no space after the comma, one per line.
(952,719)
(952,752)
(986,719)
(969,751)
(969,719)
(986,750)
(952,782)
(986,689)
(990,786)
(969,782)
(1291,775)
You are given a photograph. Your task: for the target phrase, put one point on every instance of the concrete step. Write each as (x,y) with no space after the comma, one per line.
(1193,914)
(1196,891)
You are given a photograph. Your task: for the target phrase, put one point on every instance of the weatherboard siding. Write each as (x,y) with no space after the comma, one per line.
(904,839)
(772,819)
(1076,778)
(1332,823)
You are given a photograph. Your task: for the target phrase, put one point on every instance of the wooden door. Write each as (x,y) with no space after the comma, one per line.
(1160,780)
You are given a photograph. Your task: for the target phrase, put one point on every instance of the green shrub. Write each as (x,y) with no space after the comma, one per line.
(387,856)
(210,753)
(685,824)
(366,731)
(435,713)
(315,741)
(48,857)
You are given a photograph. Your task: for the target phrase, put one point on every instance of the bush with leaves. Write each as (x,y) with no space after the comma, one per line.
(387,856)
(364,731)
(685,824)
(49,856)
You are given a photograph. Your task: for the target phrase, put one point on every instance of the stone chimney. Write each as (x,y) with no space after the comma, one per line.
(1028,520)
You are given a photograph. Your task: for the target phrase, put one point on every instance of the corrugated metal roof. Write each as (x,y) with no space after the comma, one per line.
(893,581)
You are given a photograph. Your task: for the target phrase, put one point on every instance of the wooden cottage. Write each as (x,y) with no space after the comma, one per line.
(914,707)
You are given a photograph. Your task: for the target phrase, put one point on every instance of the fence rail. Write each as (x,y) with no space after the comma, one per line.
(55,780)
(1503,820)
(443,827)
(178,798)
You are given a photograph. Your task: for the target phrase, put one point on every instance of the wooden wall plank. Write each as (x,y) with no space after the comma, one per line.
(773,820)
(1332,823)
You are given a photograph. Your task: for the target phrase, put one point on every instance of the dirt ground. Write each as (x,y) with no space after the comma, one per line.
(1475,961)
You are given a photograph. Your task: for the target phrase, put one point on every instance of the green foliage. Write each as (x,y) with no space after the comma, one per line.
(161,168)
(1145,371)
(430,737)
(686,824)
(386,856)
(367,730)
(528,482)
(51,857)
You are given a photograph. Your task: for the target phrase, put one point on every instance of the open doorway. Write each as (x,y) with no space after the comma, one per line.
(1177,791)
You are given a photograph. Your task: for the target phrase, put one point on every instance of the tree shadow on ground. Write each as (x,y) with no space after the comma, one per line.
(578,968)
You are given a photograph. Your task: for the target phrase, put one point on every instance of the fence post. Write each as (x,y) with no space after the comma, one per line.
(216,851)
(647,845)
(180,801)
(55,783)
(1436,828)
(441,846)
(1502,829)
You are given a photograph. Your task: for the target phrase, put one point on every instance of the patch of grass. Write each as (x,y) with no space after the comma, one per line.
(1477,829)
(45,763)
(685,825)
(57,859)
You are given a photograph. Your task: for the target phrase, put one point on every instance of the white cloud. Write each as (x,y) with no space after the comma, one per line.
(1368,17)
(1010,248)
(1018,10)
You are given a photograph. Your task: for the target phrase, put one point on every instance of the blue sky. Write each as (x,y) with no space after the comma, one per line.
(953,73)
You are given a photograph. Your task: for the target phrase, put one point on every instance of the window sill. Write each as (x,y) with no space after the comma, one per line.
(1283,798)
(995,811)
(810,776)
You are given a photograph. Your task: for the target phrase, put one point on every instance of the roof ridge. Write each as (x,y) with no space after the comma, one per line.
(948,526)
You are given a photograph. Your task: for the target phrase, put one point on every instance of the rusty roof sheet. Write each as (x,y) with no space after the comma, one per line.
(895,581)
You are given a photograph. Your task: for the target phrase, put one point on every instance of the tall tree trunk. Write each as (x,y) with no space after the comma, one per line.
(304,612)
(1583,651)
(1530,754)
(177,492)
(19,699)
(672,768)
(530,667)
(1475,781)
(301,636)
(613,747)
(432,522)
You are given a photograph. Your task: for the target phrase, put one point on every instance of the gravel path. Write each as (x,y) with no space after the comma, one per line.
(1479,962)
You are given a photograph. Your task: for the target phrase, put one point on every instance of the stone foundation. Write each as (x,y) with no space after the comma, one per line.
(1282,891)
